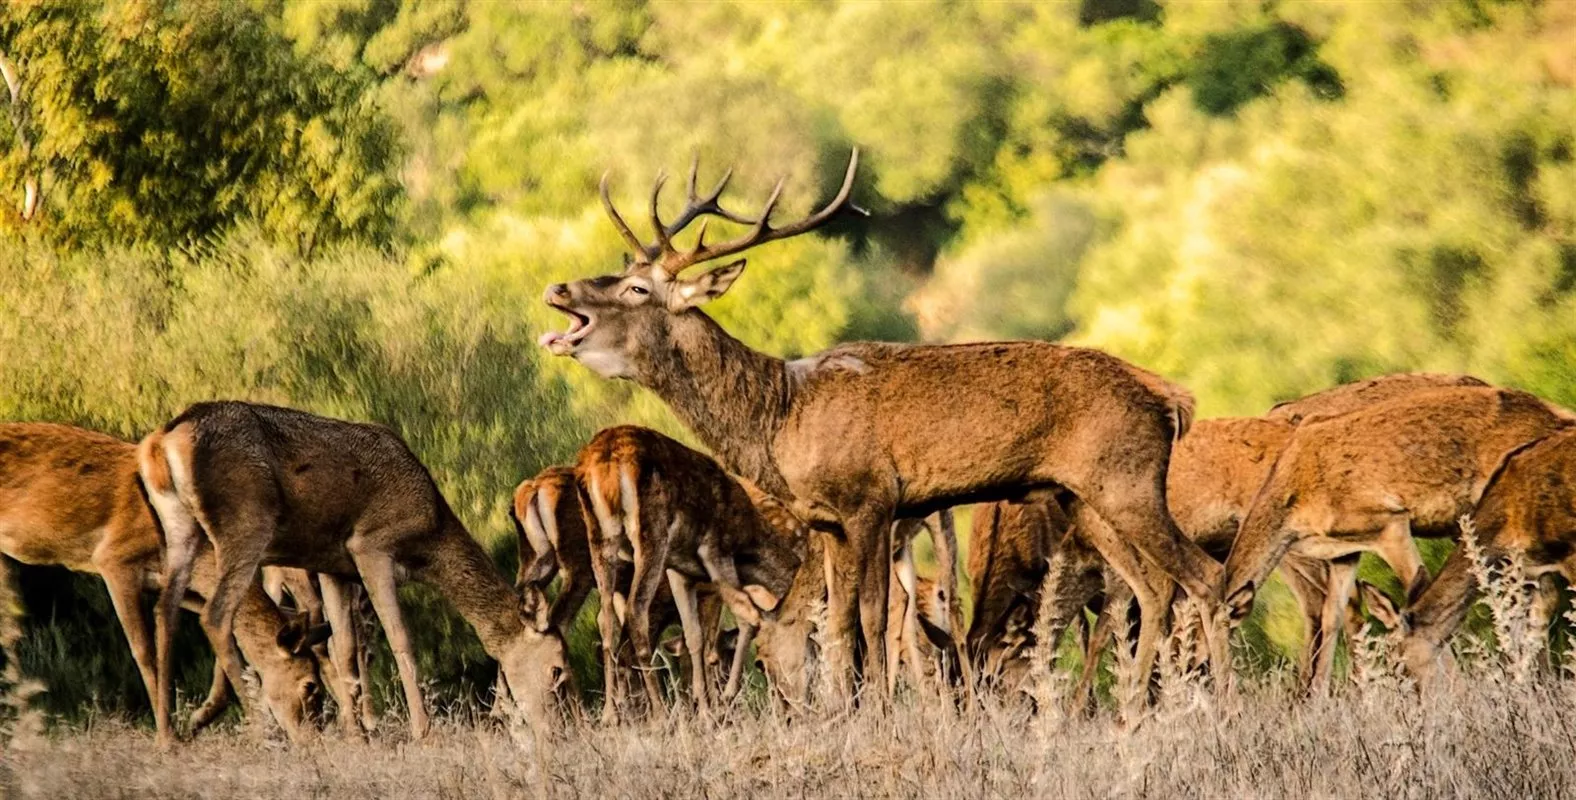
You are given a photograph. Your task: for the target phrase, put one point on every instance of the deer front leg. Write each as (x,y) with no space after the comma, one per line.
(1398,549)
(342,647)
(125,594)
(873,531)
(689,618)
(1338,593)
(377,574)
(736,670)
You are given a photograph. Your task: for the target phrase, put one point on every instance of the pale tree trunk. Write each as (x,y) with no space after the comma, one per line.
(13,85)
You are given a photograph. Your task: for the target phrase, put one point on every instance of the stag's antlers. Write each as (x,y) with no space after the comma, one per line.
(670,261)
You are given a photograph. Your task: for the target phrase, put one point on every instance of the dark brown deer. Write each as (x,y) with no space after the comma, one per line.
(1529,506)
(270,485)
(1366,480)
(865,434)
(72,497)
(674,512)
(1010,547)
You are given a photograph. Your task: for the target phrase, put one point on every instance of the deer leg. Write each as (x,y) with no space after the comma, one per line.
(689,618)
(377,575)
(125,594)
(1308,580)
(1342,584)
(610,629)
(649,568)
(181,539)
(1398,549)
(736,670)
(342,646)
(214,704)
(1107,630)
(364,633)
(239,559)
(1151,588)
(871,533)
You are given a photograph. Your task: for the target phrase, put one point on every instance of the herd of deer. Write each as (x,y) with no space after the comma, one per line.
(1095,484)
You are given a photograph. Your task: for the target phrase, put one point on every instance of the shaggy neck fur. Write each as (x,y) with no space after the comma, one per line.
(733,397)
(457,567)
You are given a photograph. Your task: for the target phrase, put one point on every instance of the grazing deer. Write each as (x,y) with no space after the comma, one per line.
(72,497)
(924,616)
(276,486)
(1528,506)
(672,511)
(865,434)
(551,527)
(1367,480)
(1361,394)
(1010,549)
(343,658)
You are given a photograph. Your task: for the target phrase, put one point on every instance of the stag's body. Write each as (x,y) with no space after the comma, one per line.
(72,497)
(674,512)
(1529,506)
(1366,480)
(865,434)
(271,485)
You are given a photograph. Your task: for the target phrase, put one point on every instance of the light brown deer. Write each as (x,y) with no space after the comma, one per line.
(865,434)
(336,606)
(1361,394)
(276,486)
(72,497)
(1528,506)
(674,512)
(1367,480)
(551,527)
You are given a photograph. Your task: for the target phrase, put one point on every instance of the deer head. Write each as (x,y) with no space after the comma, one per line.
(619,321)
(534,662)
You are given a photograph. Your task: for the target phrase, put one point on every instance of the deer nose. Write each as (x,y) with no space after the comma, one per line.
(560,290)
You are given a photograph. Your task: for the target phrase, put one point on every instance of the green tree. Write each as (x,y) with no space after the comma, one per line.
(166,121)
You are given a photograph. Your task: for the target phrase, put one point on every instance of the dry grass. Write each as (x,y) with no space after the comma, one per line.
(1485,738)
(1499,728)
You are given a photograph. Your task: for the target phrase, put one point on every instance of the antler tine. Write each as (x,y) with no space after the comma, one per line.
(664,240)
(618,221)
(761,230)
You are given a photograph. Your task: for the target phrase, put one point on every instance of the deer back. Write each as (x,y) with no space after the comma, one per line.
(1359,394)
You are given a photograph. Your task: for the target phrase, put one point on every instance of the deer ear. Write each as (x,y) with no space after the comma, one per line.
(763,599)
(535,609)
(1380,607)
(709,286)
(298,636)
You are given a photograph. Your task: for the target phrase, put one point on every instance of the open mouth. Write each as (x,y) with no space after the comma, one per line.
(563,342)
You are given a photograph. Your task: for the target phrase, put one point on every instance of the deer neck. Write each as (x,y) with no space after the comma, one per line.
(458,568)
(731,396)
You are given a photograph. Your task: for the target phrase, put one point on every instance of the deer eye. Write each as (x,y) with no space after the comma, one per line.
(641,290)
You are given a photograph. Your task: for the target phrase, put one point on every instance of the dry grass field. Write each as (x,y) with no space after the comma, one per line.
(1489,738)
(1503,725)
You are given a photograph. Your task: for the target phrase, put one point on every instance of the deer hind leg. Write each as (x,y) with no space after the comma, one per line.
(377,574)
(343,645)
(605,532)
(684,596)
(1138,511)
(1342,584)
(1109,628)
(1398,548)
(182,537)
(650,564)
(1151,588)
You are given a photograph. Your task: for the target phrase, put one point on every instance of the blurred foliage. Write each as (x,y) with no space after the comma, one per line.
(352,206)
